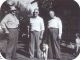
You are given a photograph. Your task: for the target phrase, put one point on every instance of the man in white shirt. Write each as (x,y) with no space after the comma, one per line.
(10,26)
(55,31)
(37,29)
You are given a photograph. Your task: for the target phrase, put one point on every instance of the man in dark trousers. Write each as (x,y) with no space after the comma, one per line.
(10,26)
(55,31)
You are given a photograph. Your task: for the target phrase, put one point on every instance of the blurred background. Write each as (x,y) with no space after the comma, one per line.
(67,10)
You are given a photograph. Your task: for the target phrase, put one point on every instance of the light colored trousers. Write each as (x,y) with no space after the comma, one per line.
(35,43)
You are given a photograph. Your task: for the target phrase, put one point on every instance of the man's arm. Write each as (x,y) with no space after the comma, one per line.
(42,29)
(60,29)
(3,24)
(41,34)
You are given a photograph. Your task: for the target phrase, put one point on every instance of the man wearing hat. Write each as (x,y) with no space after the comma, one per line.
(10,26)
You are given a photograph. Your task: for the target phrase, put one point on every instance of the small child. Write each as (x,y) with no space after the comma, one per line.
(77,42)
(44,49)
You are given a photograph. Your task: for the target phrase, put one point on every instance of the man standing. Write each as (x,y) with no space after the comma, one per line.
(10,26)
(55,31)
(37,29)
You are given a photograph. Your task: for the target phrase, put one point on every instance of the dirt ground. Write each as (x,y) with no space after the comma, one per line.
(22,53)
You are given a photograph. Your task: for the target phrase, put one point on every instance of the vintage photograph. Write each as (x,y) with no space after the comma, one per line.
(39,30)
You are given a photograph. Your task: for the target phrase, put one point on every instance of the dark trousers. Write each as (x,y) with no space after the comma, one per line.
(12,43)
(35,43)
(55,43)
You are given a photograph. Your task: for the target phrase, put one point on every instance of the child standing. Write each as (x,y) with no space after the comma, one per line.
(77,42)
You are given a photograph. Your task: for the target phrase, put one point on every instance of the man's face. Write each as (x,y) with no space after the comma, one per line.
(51,13)
(35,13)
(13,12)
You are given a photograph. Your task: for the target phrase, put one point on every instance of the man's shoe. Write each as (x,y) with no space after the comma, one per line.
(14,58)
(58,59)
(31,57)
(8,58)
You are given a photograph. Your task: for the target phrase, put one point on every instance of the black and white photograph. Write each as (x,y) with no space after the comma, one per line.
(39,29)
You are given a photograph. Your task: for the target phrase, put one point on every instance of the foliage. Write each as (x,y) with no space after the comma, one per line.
(46,3)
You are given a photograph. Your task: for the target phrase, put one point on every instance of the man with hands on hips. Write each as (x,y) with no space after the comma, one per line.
(10,25)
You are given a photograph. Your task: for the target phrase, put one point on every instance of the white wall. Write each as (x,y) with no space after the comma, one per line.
(78,1)
(1,2)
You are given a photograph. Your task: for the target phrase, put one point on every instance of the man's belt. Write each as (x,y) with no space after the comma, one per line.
(53,28)
(13,28)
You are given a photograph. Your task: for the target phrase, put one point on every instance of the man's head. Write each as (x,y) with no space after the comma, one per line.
(77,35)
(36,13)
(51,13)
(13,10)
